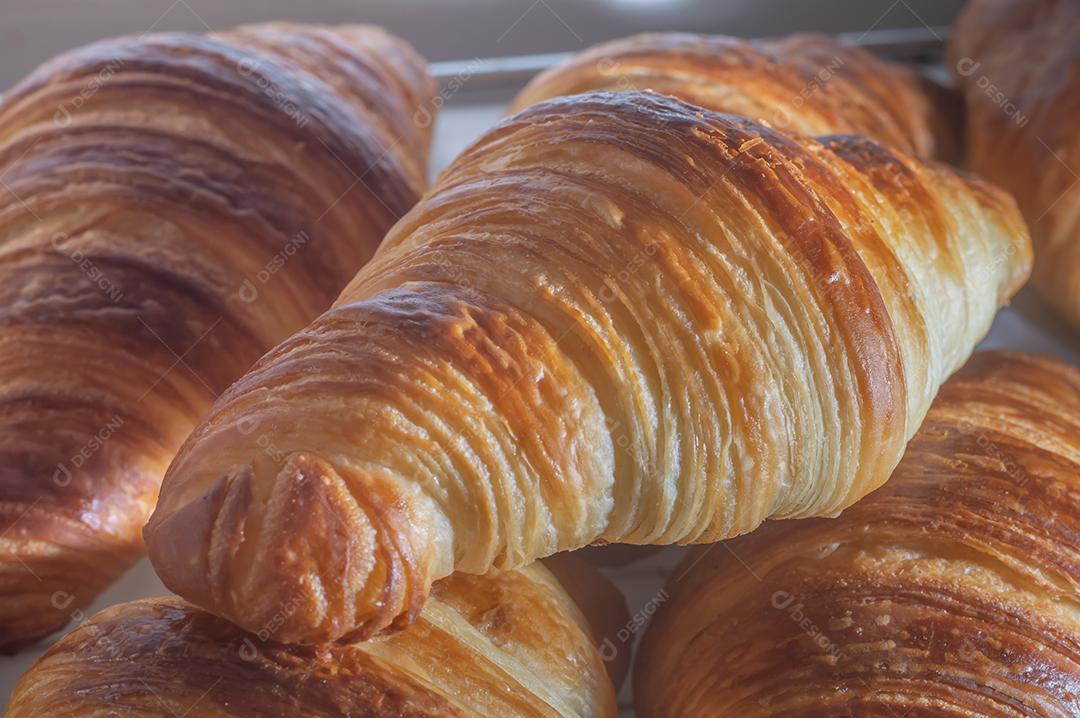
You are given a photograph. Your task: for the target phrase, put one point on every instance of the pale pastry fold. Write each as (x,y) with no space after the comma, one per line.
(951,592)
(171,207)
(617,317)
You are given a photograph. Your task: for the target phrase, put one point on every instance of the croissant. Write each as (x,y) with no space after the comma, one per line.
(951,591)
(1018,64)
(510,643)
(617,317)
(811,84)
(172,207)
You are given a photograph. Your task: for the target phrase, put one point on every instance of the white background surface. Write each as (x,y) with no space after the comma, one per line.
(30,34)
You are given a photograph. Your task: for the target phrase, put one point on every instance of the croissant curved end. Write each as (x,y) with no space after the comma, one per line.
(498,386)
(329,554)
(45,584)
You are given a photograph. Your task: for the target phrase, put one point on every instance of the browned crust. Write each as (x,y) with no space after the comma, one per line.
(951,591)
(172,206)
(498,645)
(618,317)
(1018,65)
(811,84)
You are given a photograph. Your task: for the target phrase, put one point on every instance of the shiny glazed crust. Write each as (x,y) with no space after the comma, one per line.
(950,592)
(618,317)
(1018,62)
(172,206)
(811,84)
(507,644)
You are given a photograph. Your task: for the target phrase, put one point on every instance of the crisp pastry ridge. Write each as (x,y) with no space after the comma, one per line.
(172,206)
(617,317)
(951,591)
(806,83)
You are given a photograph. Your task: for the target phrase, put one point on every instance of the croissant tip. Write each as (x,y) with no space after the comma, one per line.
(181,542)
(321,557)
(361,577)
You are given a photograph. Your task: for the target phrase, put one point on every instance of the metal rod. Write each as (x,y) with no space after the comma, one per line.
(480,75)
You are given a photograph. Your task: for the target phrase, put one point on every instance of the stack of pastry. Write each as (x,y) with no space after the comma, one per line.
(951,591)
(690,285)
(172,207)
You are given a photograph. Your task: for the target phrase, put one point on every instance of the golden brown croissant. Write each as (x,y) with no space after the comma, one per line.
(812,84)
(618,317)
(171,206)
(1018,62)
(951,591)
(511,643)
